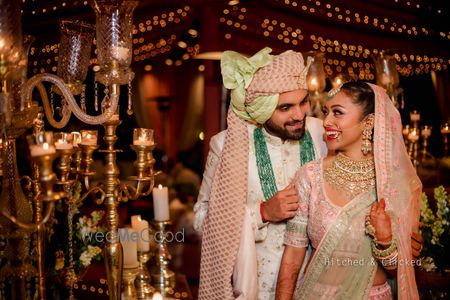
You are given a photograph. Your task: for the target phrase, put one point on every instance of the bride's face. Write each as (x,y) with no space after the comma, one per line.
(343,125)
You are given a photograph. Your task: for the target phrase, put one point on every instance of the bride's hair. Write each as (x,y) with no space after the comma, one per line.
(362,94)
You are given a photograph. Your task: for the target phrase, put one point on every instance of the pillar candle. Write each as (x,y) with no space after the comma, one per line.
(142,142)
(128,239)
(42,149)
(89,137)
(161,203)
(63,145)
(143,242)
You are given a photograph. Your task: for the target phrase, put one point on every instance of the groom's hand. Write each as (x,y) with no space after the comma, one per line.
(283,205)
(416,244)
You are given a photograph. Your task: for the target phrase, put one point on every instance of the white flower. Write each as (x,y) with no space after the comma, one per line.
(97,215)
(427,263)
(87,255)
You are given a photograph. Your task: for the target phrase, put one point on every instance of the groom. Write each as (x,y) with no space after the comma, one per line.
(248,171)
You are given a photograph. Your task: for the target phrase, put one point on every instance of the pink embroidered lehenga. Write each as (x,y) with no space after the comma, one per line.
(342,265)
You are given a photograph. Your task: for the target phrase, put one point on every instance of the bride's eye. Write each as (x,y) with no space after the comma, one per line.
(337,112)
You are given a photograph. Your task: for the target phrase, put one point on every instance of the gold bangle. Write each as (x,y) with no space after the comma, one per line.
(370,230)
(391,262)
(383,253)
(381,243)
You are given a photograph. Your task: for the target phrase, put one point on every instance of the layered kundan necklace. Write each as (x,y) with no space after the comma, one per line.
(264,164)
(353,177)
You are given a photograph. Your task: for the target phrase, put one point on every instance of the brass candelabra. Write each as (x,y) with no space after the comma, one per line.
(113,18)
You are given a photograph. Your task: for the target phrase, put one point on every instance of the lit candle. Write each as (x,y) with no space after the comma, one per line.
(120,53)
(140,141)
(161,203)
(143,242)
(41,143)
(445,128)
(89,137)
(157,296)
(63,141)
(413,136)
(426,131)
(405,130)
(128,239)
(414,116)
(143,136)
(62,145)
(42,149)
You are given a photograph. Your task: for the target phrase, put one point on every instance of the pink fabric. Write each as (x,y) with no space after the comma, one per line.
(315,207)
(287,72)
(223,224)
(398,184)
(381,292)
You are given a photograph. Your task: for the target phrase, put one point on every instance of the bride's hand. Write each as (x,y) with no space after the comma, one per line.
(381,221)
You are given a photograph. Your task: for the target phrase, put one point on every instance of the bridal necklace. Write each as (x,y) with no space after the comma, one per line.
(353,177)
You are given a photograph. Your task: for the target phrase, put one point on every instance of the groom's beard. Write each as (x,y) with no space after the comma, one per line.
(283,132)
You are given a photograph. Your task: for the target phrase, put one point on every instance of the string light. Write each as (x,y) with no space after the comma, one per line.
(236,18)
(271,29)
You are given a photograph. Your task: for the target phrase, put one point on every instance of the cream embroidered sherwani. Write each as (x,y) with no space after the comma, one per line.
(269,237)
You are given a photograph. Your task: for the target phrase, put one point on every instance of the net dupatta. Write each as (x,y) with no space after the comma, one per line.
(398,184)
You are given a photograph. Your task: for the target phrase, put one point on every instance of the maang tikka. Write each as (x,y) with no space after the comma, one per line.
(366,146)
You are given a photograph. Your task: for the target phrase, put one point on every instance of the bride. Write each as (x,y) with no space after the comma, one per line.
(358,206)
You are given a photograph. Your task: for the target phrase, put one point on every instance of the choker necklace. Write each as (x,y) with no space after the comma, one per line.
(353,177)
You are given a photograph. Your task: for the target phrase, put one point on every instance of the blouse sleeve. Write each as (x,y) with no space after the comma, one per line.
(296,228)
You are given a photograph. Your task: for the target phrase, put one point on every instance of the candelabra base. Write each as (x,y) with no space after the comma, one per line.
(128,288)
(144,289)
(163,277)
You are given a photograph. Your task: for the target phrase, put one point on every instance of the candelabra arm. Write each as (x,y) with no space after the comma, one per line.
(48,110)
(87,184)
(73,105)
(152,183)
(130,191)
(31,226)
(92,190)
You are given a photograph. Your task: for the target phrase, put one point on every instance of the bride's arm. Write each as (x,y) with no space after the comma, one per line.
(290,266)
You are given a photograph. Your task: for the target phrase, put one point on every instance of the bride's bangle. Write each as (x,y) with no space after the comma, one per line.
(383,253)
(383,243)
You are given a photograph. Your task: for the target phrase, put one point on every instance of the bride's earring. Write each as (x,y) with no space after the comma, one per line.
(366,146)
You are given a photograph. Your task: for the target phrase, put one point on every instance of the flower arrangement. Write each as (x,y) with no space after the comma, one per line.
(72,246)
(89,246)
(435,229)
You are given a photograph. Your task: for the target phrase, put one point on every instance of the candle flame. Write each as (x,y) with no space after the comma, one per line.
(160,186)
